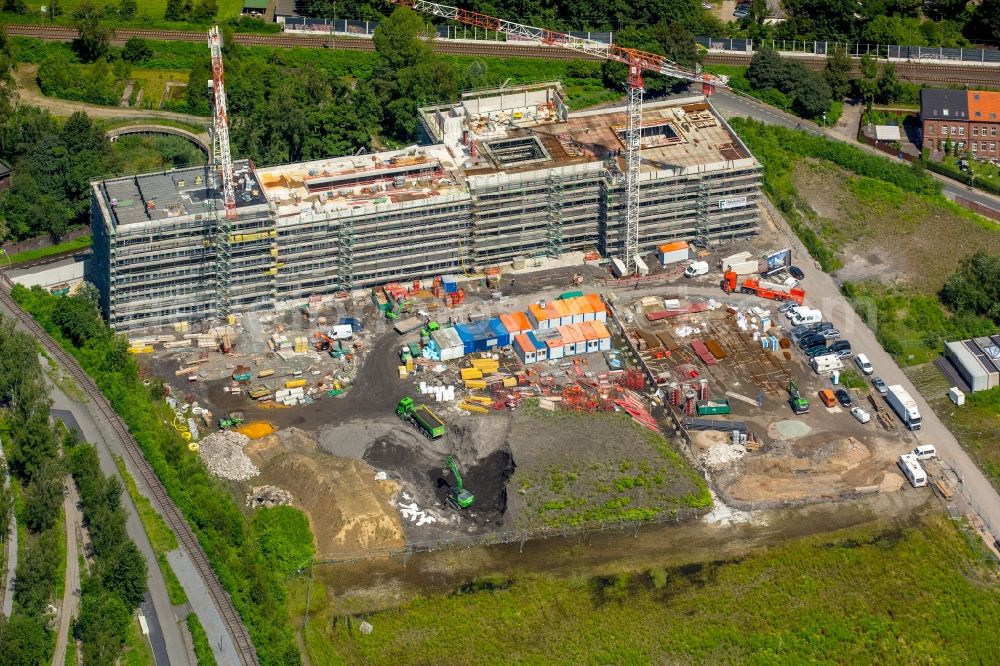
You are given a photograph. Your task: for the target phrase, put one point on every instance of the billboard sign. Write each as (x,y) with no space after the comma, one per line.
(778,260)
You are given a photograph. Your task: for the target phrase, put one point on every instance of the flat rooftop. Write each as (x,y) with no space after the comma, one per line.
(171,194)
(530,127)
(343,183)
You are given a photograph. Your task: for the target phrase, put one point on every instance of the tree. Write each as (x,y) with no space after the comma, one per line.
(677,43)
(31,436)
(94,40)
(838,72)
(23,641)
(15,6)
(78,320)
(320,8)
(205,11)
(44,496)
(55,9)
(136,50)
(175,11)
(35,572)
(988,18)
(888,84)
(102,626)
(766,70)
(812,96)
(125,575)
(975,286)
(868,83)
(127,9)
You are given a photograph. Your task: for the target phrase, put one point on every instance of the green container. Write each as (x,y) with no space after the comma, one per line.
(571,294)
(712,407)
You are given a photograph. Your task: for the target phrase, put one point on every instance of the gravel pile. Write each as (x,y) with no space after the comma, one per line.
(222,453)
(267,497)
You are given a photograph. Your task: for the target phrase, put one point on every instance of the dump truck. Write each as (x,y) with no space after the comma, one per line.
(904,405)
(769,290)
(712,407)
(421,416)
(232,420)
(458,496)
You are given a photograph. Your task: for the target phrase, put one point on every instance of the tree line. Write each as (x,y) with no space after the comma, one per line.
(252,576)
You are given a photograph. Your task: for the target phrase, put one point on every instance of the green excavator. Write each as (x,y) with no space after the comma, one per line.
(458,497)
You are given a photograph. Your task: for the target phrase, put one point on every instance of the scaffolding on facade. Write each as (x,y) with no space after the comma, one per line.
(553,229)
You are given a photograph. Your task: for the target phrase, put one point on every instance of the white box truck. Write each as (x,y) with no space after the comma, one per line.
(826,363)
(904,406)
(912,469)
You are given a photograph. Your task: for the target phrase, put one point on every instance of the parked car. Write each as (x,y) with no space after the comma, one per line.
(880,385)
(786,306)
(843,397)
(797,332)
(842,348)
(829,333)
(816,351)
(811,340)
(822,326)
(796,272)
(861,414)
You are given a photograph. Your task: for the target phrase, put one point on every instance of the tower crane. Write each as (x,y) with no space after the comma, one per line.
(220,123)
(637,62)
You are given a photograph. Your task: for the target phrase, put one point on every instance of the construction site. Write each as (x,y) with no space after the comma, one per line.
(491,335)
(505,178)
(511,405)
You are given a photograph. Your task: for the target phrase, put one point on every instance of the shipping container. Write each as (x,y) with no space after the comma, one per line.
(471,373)
(295,383)
(600,310)
(542,318)
(672,253)
(475,383)
(712,407)
(408,325)
(640,266)
(525,349)
(618,267)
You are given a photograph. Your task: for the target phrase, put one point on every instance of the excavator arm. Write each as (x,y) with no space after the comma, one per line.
(453,466)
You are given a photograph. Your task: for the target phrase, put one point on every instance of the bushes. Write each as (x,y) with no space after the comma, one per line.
(284,537)
(803,91)
(230,543)
(951,171)
(96,84)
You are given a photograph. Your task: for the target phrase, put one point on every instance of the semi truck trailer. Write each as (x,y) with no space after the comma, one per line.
(904,405)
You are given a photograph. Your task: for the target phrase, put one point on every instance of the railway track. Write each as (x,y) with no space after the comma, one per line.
(171,514)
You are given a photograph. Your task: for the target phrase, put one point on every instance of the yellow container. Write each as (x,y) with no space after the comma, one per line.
(144,349)
(402,372)
(295,383)
(509,382)
(472,373)
(485,364)
(475,384)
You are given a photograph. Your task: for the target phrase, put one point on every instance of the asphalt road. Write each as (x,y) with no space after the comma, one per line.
(71,595)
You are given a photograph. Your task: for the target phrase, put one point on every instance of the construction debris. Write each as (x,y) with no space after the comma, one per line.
(222,453)
(265,497)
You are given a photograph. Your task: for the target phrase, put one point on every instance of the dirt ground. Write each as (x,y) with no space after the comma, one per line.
(349,509)
(881,237)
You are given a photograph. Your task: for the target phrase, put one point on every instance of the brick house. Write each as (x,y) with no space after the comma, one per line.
(970,119)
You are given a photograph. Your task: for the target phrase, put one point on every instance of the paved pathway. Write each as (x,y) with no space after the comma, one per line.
(71,595)
(8,581)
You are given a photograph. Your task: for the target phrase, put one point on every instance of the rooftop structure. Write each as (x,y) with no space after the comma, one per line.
(502,176)
(976,361)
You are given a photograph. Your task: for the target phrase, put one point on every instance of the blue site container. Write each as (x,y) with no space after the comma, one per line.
(499,332)
(450,283)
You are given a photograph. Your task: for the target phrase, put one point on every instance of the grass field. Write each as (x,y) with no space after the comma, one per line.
(153,82)
(154,8)
(867,595)
(41,253)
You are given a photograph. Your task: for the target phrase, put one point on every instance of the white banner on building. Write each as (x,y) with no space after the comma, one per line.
(735,202)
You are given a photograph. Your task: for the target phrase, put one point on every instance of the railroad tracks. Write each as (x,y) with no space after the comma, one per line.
(171,514)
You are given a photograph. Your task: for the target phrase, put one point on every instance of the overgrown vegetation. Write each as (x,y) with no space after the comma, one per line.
(832,601)
(117,582)
(779,149)
(32,455)
(789,85)
(202,648)
(231,543)
(161,537)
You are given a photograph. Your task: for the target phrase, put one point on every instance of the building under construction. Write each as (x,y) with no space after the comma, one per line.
(502,175)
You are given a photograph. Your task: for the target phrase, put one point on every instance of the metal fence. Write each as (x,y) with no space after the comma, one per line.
(367,28)
(892,51)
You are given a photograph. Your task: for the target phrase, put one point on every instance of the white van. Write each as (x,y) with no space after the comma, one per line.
(696,268)
(864,365)
(925,452)
(807,317)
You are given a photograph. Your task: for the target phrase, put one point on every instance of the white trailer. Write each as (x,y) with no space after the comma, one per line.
(904,405)
(826,363)
(744,267)
(618,267)
(913,470)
